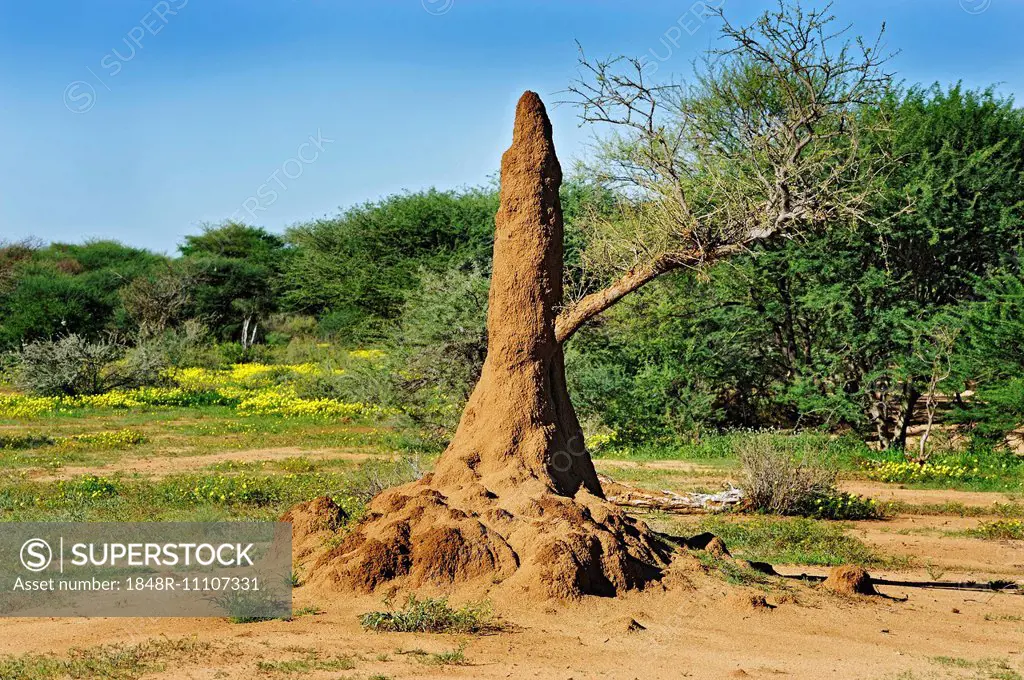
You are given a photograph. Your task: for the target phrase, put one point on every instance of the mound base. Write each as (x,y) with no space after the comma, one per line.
(541,544)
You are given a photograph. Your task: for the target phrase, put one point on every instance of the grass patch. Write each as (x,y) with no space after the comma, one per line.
(115,662)
(307,611)
(452,657)
(987,669)
(431,615)
(975,470)
(1007,510)
(1000,530)
(193,497)
(311,663)
(790,541)
(17,442)
(734,573)
(842,451)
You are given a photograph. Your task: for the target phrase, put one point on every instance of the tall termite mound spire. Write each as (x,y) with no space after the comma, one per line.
(514,499)
(521,396)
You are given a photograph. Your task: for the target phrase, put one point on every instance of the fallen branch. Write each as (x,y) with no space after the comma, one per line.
(628,496)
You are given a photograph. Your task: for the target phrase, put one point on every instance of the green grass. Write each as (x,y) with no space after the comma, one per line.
(1000,530)
(982,669)
(113,662)
(979,469)
(249,490)
(721,449)
(452,657)
(734,573)
(194,497)
(431,616)
(793,540)
(196,431)
(311,663)
(1007,510)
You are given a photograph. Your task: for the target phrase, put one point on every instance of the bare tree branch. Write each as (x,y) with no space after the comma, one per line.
(765,141)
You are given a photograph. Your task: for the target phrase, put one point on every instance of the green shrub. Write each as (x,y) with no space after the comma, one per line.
(88,487)
(440,346)
(793,540)
(840,505)
(1000,529)
(73,366)
(430,616)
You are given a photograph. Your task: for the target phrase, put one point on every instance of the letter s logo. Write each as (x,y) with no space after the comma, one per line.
(36,554)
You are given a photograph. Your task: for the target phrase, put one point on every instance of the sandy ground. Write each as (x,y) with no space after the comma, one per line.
(710,632)
(888,492)
(708,629)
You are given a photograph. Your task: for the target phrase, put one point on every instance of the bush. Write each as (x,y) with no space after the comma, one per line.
(364,376)
(373,477)
(840,505)
(777,483)
(430,616)
(72,366)
(1000,530)
(188,346)
(441,346)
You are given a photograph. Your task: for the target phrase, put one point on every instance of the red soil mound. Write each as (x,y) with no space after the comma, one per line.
(849,580)
(515,497)
(313,522)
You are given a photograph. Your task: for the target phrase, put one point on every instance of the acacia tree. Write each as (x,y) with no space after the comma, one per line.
(768,140)
(765,143)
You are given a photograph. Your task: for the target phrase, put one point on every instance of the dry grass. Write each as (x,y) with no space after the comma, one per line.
(776,482)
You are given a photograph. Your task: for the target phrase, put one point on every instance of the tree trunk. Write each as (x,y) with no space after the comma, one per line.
(907,406)
(515,497)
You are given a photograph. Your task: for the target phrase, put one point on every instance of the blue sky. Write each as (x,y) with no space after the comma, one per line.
(141,120)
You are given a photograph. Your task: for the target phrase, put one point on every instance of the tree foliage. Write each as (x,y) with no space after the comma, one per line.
(354,270)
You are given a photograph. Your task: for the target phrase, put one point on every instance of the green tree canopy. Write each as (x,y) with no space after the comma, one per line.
(238,268)
(354,270)
(64,288)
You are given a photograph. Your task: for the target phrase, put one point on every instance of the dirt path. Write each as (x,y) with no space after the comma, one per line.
(937,543)
(890,492)
(676,475)
(162,466)
(670,465)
